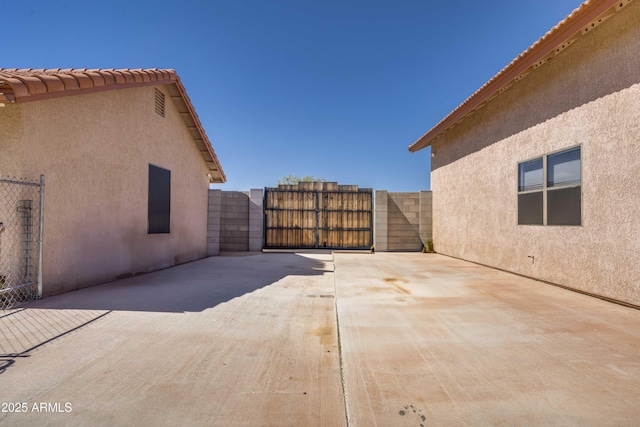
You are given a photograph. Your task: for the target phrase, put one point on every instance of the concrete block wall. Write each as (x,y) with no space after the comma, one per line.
(256,219)
(403,233)
(213,222)
(235,221)
(402,220)
(426,216)
(380,220)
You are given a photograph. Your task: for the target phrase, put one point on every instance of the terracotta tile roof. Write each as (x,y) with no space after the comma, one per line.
(587,16)
(25,85)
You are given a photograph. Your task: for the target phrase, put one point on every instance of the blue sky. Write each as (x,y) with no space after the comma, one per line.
(336,89)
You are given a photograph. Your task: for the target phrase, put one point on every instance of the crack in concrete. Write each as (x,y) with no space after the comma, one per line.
(340,359)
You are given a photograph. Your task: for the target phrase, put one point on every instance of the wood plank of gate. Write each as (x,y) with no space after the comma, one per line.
(225,341)
(331,210)
(431,340)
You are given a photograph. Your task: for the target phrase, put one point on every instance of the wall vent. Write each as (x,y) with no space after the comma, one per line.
(159,102)
(621,4)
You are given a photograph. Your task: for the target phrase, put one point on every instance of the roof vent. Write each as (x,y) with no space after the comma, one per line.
(159,102)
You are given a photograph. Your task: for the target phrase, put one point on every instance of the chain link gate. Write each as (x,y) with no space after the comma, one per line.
(20,241)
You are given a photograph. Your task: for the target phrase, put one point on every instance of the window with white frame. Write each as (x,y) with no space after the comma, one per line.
(550,189)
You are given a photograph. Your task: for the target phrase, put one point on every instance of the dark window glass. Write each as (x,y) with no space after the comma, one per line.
(159,200)
(564,168)
(564,206)
(530,175)
(530,208)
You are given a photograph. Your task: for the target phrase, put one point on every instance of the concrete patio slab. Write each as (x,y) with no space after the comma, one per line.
(253,341)
(229,341)
(430,340)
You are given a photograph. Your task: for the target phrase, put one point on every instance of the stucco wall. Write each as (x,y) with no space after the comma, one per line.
(94,151)
(12,150)
(588,95)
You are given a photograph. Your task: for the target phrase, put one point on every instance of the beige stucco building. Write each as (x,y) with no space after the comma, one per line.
(127,167)
(538,172)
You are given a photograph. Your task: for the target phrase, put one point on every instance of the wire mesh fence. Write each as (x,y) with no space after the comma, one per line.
(20,225)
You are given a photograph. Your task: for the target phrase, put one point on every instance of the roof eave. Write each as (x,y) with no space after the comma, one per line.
(216,174)
(20,86)
(580,21)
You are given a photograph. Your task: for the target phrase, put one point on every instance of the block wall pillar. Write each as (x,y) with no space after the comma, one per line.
(426,216)
(213,222)
(380,220)
(256,219)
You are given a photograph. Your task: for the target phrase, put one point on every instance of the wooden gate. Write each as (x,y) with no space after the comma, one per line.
(318,215)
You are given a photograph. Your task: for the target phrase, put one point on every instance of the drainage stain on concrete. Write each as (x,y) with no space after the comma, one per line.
(393,281)
(324,330)
(325,333)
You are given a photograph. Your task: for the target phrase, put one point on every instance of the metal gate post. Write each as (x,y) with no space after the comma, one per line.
(40,234)
(264,218)
(26,234)
(371,221)
(317,219)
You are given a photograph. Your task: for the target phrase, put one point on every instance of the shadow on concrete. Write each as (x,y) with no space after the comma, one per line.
(191,287)
(23,330)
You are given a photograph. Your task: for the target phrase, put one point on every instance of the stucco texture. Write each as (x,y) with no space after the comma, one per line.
(95,151)
(588,95)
